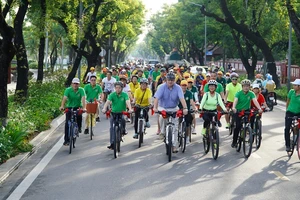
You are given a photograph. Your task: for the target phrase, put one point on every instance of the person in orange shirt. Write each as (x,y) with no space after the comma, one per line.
(204,82)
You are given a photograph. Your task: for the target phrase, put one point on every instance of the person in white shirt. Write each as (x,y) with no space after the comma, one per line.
(91,73)
(108,84)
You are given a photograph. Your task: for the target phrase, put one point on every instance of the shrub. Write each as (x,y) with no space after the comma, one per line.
(33,65)
(282,93)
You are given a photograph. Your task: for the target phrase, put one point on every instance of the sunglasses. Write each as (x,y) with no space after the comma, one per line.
(93,79)
(183,85)
(234,79)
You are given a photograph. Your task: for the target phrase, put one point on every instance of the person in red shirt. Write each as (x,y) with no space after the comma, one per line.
(260,99)
(204,82)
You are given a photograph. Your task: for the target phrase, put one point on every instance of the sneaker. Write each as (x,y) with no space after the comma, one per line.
(79,130)
(135,136)
(227,125)
(275,103)
(111,147)
(66,143)
(98,119)
(193,130)
(148,125)
(288,149)
(219,124)
(175,150)
(233,145)
(128,120)
(187,140)
(203,131)
(86,131)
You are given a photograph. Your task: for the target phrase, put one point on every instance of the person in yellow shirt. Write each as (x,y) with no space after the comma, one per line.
(142,99)
(134,84)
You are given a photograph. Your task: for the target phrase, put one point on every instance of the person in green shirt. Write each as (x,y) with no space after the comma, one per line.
(102,75)
(221,79)
(154,75)
(146,73)
(188,96)
(220,89)
(292,109)
(93,92)
(192,88)
(115,74)
(118,100)
(75,98)
(210,102)
(242,101)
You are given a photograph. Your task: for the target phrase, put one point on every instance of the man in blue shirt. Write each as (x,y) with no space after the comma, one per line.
(168,95)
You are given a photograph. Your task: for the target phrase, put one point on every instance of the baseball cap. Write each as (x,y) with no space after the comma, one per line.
(296,82)
(183,82)
(255,86)
(75,80)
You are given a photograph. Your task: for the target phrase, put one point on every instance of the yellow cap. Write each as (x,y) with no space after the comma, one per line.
(92,68)
(220,73)
(189,80)
(183,82)
(186,75)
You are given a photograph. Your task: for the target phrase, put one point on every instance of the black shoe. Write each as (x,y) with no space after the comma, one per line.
(233,145)
(219,124)
(86,131)
(275,103)
(98,119)
(288,149)
(66,143)
(111,147)
(79,130)
(125,132)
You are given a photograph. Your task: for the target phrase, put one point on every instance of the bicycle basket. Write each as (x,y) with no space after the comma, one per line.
(91,108)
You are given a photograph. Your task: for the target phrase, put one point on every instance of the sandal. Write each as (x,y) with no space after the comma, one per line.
(158,132)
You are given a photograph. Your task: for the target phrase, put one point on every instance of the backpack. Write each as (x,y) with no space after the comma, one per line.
(207,93)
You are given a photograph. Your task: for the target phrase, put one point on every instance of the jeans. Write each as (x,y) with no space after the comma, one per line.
(137,114)
(111,130)
(288,123)
(68,117)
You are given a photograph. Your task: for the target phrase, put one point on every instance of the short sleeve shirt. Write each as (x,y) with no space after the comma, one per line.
(193,90)
(109,84)
(92,92)
(74,97)
(244,100)
(218,90)
(142,97)
(260,99)
(169,97)
(118,101)
(146,73)
(232,90)
(187,97)
(102,76)
(294,105)
(133,87)
(155,75)
(116,77)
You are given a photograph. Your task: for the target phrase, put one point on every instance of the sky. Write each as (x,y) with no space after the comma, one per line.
(152,7)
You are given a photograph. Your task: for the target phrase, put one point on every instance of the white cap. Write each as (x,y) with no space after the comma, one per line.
(255,86)
(171,70)
(233,69)
(208,74)
(75,80)
(296,82)
(123,70)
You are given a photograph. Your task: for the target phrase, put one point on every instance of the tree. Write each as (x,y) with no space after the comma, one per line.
(294,19)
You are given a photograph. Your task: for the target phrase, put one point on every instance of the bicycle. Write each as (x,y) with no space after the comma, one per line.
(118,129)
(106,93)
(212,137)
(257,128)
(294,136)
(245,134)
(231,118)
(170,131)
(183,129)
(91,112)
(73,126)
(141,123)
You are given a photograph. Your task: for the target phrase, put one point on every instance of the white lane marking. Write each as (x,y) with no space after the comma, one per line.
(25,184)
(255,155)
(280,175)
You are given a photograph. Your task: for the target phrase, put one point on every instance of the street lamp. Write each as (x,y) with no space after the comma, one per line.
(205,32)
(81,13)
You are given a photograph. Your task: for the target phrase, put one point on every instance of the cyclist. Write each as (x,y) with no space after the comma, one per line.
(227,78)
(188,96)
(159,79)
(155,73)
(91,73)
(210,102)
(168,97)
(194,92)
(92,92)
(242,101)
(219,89)
(134,84)
(115,74)
(221,79)
(118,100)
(140,74)
(126,87)
(108,85)
(292,109)
(260,99)
(204,82)
(269,86)
(231,89)
(258,80)
(102,75)
(199,78)
(142,98)
(75,98)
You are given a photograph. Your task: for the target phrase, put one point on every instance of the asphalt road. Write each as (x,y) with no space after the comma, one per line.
(91,172)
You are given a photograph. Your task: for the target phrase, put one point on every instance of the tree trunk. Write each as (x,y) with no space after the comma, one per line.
(7,52)
(22,62)
(40,75)
(294,19)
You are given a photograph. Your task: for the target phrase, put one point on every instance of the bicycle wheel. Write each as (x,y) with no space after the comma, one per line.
(206,142)
(71,129)
(119,139)
(183,137)
(247,141)
(91,127)
(141,132)
(231,126)
(298,145)
(215,143)
(292,143)
(170,131)
(258,133)
(116,129)
(75,133)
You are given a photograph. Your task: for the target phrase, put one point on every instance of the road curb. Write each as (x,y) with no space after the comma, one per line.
(12,164)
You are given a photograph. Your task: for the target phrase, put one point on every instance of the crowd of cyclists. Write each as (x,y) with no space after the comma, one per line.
(171,88)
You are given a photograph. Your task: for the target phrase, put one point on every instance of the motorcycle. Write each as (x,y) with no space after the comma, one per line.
(270,100)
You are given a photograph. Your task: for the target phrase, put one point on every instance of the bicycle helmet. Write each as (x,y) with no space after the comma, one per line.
(269,77)
(212,82)
(118,83)
(163,70)
(144,80)
(232,75)
(123,77)
(171,76)
(246,82)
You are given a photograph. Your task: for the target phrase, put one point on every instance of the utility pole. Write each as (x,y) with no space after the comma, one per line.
(79,35)
(47,47)
(289,58)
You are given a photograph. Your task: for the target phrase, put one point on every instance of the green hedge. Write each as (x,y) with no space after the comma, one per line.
(282,93)
(34,116)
